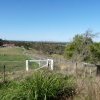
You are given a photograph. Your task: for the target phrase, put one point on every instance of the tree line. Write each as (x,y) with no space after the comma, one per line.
(44,47)
(81,48)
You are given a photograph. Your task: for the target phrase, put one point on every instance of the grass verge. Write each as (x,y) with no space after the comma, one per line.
(42,85)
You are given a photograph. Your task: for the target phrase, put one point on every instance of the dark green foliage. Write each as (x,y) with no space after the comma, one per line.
(95,52)
(82,48)
(69,51)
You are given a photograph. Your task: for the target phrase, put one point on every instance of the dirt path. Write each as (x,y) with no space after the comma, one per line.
(33,55)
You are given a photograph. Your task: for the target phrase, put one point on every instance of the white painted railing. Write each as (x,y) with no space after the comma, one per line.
(49,64)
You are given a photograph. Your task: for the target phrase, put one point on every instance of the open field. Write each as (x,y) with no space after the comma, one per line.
(49,85)
(61,84)
(12,54)
(14,59)
(11,51)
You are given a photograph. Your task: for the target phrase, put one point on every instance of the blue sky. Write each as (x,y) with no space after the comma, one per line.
(48,20)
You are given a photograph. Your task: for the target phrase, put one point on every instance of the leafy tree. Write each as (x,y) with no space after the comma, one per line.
(82,48)
(95,52)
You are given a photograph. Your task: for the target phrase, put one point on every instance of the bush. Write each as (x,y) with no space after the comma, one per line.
(41,85)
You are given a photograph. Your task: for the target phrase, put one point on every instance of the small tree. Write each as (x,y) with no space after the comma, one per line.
(81,48)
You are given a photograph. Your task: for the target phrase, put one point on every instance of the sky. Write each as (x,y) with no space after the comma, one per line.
(48,20)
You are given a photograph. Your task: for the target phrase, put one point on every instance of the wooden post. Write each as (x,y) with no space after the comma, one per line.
(76,68)
(98,70)
(4,77)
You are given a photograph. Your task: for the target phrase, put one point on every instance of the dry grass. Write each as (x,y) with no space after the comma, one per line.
(88,88)
(88,85)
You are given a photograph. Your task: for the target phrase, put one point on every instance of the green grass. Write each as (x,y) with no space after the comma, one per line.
(12,66)
(42,85)
(14,59)
(33,65)
(11,51)
(12,54)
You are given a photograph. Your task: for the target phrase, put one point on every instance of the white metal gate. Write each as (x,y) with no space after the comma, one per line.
(48,63)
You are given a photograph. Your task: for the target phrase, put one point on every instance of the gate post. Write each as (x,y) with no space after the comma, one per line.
(98,70)
(26,65)
(51,64)
(4,74)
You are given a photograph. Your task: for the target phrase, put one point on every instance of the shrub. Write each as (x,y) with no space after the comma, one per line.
(42,85)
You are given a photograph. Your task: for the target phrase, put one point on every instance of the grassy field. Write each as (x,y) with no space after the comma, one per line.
(47,85)
(12,54)
(41,85)
(14,58)
(11,50)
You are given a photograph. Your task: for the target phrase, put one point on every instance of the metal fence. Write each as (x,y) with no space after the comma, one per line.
(11,66)
(11,69)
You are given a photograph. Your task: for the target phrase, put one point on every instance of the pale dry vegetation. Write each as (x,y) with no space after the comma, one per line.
(88,88)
